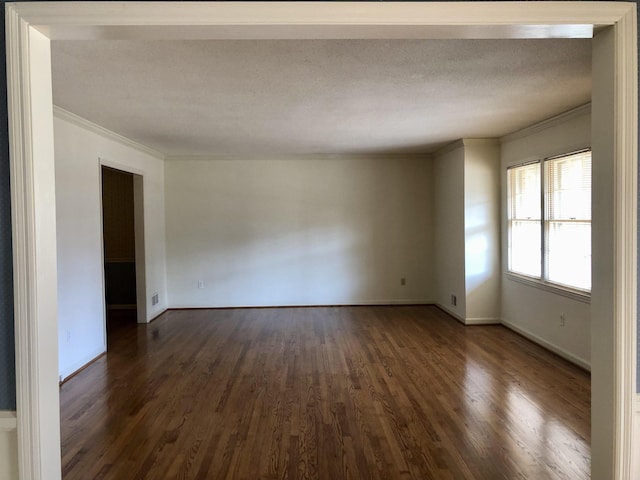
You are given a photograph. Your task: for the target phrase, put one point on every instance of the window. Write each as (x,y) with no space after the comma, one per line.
(549,220)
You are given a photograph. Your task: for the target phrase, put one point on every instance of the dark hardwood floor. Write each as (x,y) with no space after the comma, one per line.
(326,393)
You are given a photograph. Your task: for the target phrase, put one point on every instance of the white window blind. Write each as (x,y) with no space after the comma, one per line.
(549,221)
(568,220)
(524,219)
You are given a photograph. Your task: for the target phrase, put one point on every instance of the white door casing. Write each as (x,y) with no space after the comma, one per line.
(31,26)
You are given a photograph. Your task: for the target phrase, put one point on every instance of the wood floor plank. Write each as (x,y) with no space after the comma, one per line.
(324,393)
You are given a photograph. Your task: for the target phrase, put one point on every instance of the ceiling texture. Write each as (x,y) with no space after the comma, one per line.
(288,97)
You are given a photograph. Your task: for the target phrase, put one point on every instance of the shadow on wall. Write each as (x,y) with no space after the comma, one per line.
(297,232)
(314,266)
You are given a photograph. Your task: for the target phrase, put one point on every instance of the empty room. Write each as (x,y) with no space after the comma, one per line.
(360,180)
(325,255)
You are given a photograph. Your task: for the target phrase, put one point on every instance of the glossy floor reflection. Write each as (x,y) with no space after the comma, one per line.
(326,393)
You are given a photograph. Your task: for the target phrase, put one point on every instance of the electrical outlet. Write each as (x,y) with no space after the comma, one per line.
(454,300)
(403,281)
(154,299)
(562,320)
(200,283)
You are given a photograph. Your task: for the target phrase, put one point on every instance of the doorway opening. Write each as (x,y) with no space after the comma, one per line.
(122,229)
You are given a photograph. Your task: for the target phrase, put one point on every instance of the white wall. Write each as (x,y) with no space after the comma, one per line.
(449,241)
(78,150)
(635,464)
(482,230)
(531,310)
(8,446)
(8,455)
(467,225)
(299,231)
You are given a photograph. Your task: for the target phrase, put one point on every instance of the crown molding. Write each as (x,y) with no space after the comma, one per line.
(449,148)
(301,157)
(82,122)
(548,123)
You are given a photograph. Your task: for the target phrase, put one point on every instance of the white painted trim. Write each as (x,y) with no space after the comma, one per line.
(548,287)
(77,366)
(625,240)
(548,123)
(448,311)
(157,314)
(408,301)
(298,20)
(34,248)
(34,267)
(8,422)
(317,13)
(525,333)
(302,305)
(467,321)
(449,148)
(462,142)
(581,362)
(23,250)
(482,321)
(300,157)
(103,282)
(142,295)
(140,250)
(81,122)
(104,162)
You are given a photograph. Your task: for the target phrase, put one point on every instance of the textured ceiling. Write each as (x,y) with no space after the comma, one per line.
(265,97)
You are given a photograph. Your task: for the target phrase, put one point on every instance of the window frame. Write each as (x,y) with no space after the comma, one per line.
(541,282)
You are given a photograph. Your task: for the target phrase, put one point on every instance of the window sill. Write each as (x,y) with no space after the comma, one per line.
(578,295)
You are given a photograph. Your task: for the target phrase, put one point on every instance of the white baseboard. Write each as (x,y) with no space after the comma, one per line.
(73,368)
(450,312)
(330,304)
(548,345)
(525,333)
(396,302)
(155,315)
(469,321)
(483,321)
(8,421)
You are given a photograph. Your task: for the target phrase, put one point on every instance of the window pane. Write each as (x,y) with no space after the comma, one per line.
(524,247)
(524,192)
(568,220)
(569,254)
(568,185)
(524,219)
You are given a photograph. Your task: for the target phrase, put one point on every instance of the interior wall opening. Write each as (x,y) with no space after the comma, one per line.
(118,233)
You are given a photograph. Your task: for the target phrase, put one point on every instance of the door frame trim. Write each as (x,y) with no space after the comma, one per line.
(31,25)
